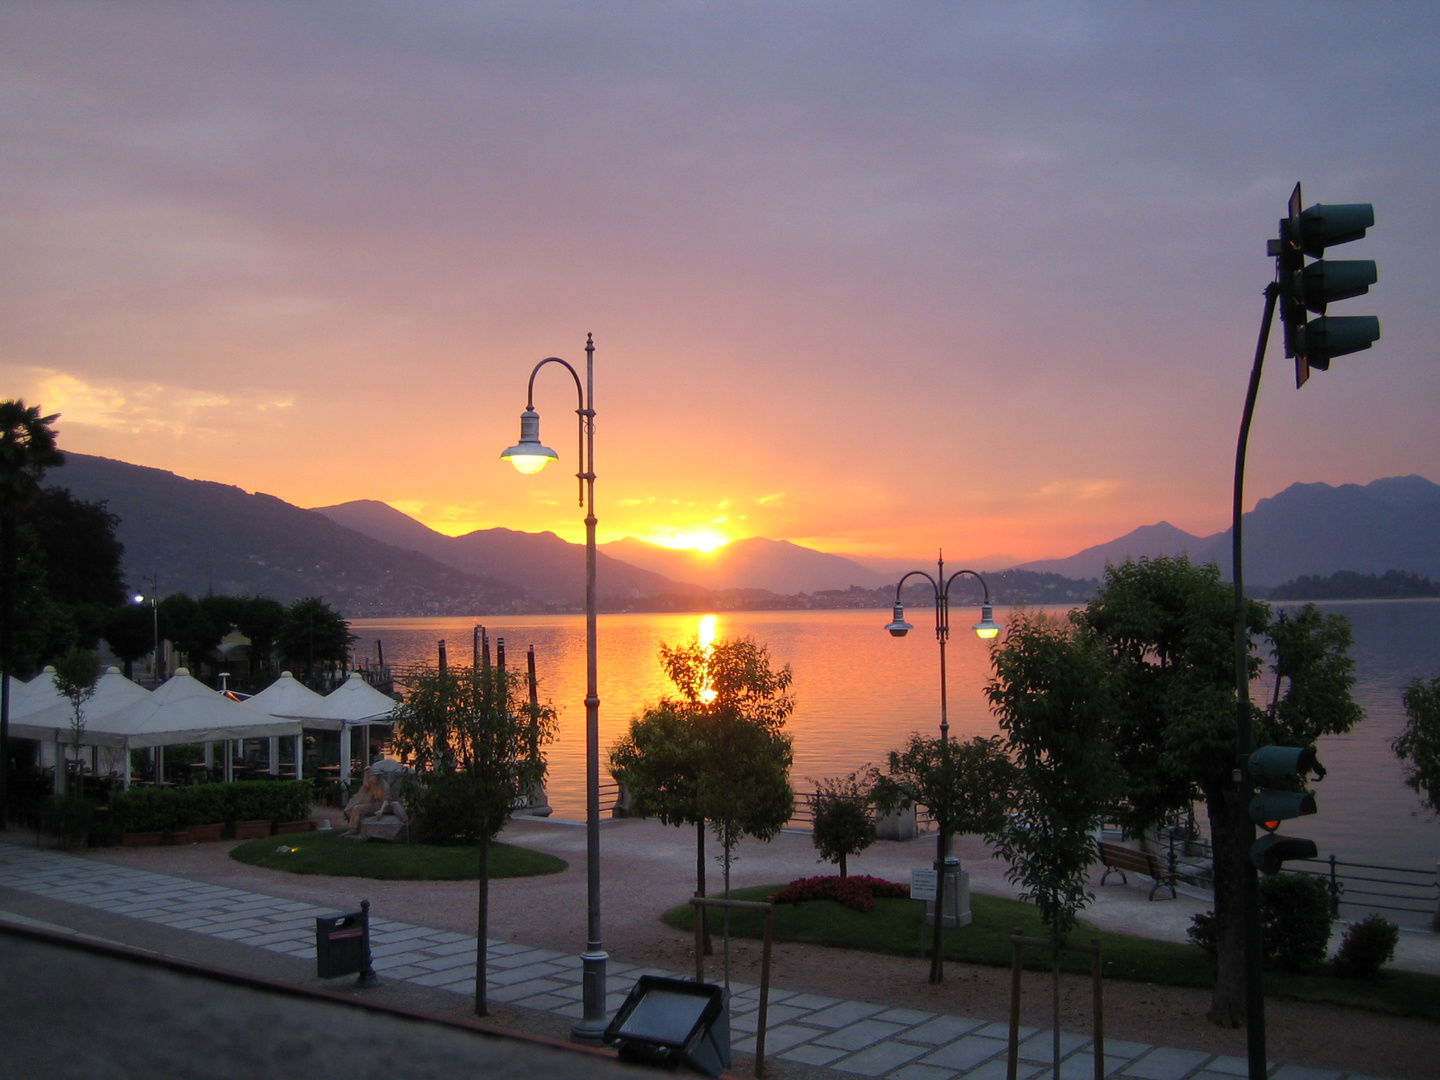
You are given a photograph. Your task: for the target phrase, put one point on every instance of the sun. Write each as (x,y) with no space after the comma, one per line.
(704,539)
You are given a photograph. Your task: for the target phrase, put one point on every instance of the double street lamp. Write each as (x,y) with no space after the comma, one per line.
(985,629)
(530,455)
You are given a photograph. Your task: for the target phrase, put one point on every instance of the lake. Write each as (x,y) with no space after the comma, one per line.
(859,693)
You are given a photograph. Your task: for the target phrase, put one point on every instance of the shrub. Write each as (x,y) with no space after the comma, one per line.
(1295,918)
(857,893)
(144,810)
(449,810)
(203,804)
(1366,946)
(268,800)
(1202,934)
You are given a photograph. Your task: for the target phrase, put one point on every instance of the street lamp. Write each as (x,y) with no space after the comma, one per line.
(529,455)
(155,622)
(985,629)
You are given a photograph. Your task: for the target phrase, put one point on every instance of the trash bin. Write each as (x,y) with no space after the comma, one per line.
(342,946)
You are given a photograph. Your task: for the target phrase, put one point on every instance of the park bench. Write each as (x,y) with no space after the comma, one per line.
(1118,859)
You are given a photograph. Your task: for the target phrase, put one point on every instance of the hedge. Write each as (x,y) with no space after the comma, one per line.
(173,809)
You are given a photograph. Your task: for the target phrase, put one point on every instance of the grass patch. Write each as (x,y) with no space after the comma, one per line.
(326,852)
(895,927)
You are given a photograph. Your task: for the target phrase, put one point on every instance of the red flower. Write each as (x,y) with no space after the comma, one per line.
(857,893)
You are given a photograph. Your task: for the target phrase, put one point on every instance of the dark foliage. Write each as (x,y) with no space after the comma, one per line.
(1366,947)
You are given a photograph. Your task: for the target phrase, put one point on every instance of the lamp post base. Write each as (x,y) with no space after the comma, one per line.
(592,1025)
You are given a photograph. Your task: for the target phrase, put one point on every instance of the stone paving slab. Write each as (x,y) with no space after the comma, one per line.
(849,1037)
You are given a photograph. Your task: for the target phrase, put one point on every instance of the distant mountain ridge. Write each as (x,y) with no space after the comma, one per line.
(777,566)
(196,536)
(1307,529)
(549,569)
(369,559)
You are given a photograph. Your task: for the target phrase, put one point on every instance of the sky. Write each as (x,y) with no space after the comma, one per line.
(876,278)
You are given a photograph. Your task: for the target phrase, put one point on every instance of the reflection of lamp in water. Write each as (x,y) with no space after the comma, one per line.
(529,455)
(985,629)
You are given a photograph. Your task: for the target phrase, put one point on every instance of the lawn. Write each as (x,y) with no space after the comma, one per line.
(895,927)
(325,852)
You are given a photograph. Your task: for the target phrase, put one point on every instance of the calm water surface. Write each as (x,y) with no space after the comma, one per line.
(859,693)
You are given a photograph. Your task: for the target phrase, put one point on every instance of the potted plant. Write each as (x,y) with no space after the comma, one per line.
(249,809)
(203,807)
(142,817)
(293,802)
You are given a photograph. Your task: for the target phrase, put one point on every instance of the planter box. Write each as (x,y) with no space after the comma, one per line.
(251,830)
(294,826)
(202,834)
(141,839)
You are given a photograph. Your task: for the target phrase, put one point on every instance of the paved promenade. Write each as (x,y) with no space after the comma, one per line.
(849,1037)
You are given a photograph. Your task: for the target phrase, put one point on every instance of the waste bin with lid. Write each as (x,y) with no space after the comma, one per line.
(342,946)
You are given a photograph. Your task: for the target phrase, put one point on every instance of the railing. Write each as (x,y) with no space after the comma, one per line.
(1413,892)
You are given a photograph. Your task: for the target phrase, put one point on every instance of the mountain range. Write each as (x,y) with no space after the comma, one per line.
(1307,529)
(369,559)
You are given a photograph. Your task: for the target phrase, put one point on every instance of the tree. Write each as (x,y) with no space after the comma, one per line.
(1418,745)
(189,627)
(1052,695)
(843,823)
(967,787)
(27,450)
(260,619)
(76,674)
(130,633)
(1169,628)
(480,741)
(314,633)
(716,754)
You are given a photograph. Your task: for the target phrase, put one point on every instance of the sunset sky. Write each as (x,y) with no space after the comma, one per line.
(871,277)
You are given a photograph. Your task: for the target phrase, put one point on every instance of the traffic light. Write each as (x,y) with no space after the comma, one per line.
(1287,767)
(1307,288)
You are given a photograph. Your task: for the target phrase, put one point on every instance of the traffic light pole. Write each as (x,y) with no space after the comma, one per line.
(1244,736)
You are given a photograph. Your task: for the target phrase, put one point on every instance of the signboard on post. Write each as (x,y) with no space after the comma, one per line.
(922,884)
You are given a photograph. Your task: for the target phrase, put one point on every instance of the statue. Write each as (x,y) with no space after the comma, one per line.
(371,811)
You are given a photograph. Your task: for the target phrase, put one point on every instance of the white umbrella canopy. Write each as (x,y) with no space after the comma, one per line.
(355,701)
(39,693)
(288,697)
(113,693)
(185,710)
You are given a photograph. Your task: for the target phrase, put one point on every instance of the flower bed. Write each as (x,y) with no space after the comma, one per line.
(857,893)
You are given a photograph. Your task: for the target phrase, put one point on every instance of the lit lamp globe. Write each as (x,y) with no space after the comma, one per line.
(987,627)
(529,455)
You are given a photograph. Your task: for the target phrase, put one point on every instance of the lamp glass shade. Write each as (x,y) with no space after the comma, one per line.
(898,627)
(987,627)
(529,455)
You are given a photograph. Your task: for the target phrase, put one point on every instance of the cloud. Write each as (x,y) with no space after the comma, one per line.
(141,408)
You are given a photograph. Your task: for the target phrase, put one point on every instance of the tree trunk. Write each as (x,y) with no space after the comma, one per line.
(1227,1001)
(483,922)
(8,558)
(842,865)
(700,887)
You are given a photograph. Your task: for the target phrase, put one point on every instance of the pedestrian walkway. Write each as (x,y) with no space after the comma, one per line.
(851,1037)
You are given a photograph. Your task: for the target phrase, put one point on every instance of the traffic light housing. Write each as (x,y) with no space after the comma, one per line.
(1277,771)
(1307,288)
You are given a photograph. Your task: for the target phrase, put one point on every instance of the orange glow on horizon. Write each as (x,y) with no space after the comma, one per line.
(704,538)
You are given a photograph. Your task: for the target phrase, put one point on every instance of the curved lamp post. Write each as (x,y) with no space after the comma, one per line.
(530,455)
(985,629)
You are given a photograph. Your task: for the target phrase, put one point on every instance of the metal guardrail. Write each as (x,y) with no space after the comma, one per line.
(1413,892)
